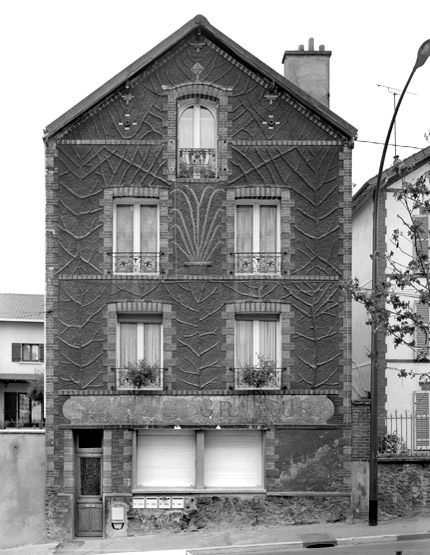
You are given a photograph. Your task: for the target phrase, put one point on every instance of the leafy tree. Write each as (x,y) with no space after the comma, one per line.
(391,307)
(36,389)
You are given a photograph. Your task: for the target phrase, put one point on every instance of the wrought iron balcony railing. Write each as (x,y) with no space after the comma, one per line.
(257,262)
(197,163)
(255,377)
(153,381)
(136,262)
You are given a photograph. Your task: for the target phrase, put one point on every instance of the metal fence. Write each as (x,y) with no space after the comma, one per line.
(404,435)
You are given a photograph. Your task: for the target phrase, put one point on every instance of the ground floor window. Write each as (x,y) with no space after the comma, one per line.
(19,410)
(199,459)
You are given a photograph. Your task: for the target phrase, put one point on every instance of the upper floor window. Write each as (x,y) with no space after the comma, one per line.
(27,352)
(257,352)
(257,239)
(136,238)
(197,136)
(139,351)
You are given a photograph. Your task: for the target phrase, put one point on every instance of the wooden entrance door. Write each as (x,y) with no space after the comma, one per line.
(89,502)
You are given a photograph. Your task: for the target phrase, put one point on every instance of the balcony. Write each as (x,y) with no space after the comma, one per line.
(257,377)
(257,262)
(136,262)
(135,379)
(197,163)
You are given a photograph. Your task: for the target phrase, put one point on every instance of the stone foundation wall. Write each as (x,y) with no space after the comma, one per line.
(227,512)
(404,488)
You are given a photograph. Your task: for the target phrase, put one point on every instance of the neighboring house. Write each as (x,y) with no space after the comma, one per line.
(407,397)
(198,338)
(21,357)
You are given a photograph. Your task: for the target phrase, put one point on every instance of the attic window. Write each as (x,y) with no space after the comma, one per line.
(197,131)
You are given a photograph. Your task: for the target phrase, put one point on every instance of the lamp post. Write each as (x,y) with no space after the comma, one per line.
(422,55)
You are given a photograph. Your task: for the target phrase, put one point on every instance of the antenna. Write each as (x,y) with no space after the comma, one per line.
(394,92)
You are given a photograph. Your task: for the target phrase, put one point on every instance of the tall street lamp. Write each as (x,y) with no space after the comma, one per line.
(423,54)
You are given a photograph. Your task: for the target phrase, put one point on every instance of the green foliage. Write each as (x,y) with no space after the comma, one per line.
(142,373)
(36,389)
(391,307)
(391,444)
(260,375)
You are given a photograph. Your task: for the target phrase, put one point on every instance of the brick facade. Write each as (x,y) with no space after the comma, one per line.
(122,147)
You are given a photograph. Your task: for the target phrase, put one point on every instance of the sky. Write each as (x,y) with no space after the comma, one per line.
(56,52)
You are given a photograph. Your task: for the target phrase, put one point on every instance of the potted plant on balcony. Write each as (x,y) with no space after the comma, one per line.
(262,374)
(142,373)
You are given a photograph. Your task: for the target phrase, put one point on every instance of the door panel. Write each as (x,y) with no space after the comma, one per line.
(89,502)
(90,519)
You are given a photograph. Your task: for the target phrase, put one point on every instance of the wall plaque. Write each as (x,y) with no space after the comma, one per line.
(206,410)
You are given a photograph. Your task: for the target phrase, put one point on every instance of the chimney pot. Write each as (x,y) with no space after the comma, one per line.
(301,46)
(322,47)
(311,44)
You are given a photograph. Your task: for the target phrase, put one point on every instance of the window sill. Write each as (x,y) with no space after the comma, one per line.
(136,273)
(155,388)
(188,491)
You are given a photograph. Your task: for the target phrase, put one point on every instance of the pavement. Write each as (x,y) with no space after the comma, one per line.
(237,541)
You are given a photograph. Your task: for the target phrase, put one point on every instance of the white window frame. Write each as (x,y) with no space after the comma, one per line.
(140,337)
(197,103)
(256,216)
(140,321)
(256,334)
(33,349)
(137,203)
(200,456)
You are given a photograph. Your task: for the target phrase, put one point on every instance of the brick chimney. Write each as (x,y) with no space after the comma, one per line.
(309,70)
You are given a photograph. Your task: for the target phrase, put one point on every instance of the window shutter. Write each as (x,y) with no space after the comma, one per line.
(422,340)
(422,418)
(41,352)
(16,352)
(166,459)
(233,459)
(422,243)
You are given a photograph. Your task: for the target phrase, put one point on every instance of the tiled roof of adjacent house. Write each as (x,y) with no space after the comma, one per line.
(19,377)
(390,175)
(16,306)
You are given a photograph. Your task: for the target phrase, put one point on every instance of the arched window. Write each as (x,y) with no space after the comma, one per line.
(197,131)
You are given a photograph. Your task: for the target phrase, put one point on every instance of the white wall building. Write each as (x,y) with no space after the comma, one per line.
(397,395)
(21,357)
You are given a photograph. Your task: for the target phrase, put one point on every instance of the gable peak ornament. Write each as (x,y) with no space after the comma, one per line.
(272,93)
(127,96)
(197,69)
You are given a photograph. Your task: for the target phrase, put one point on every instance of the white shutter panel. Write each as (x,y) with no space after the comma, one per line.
(166,459)
(421,245)
(422,343)
(233,459)
(422,418)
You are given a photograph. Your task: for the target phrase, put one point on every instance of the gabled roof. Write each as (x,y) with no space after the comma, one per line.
(202,24)
(390,175)
(22,307)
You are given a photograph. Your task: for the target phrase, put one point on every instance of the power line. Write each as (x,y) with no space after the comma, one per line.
(389,144)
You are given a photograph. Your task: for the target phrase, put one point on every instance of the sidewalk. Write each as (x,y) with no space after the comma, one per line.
(233,541)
